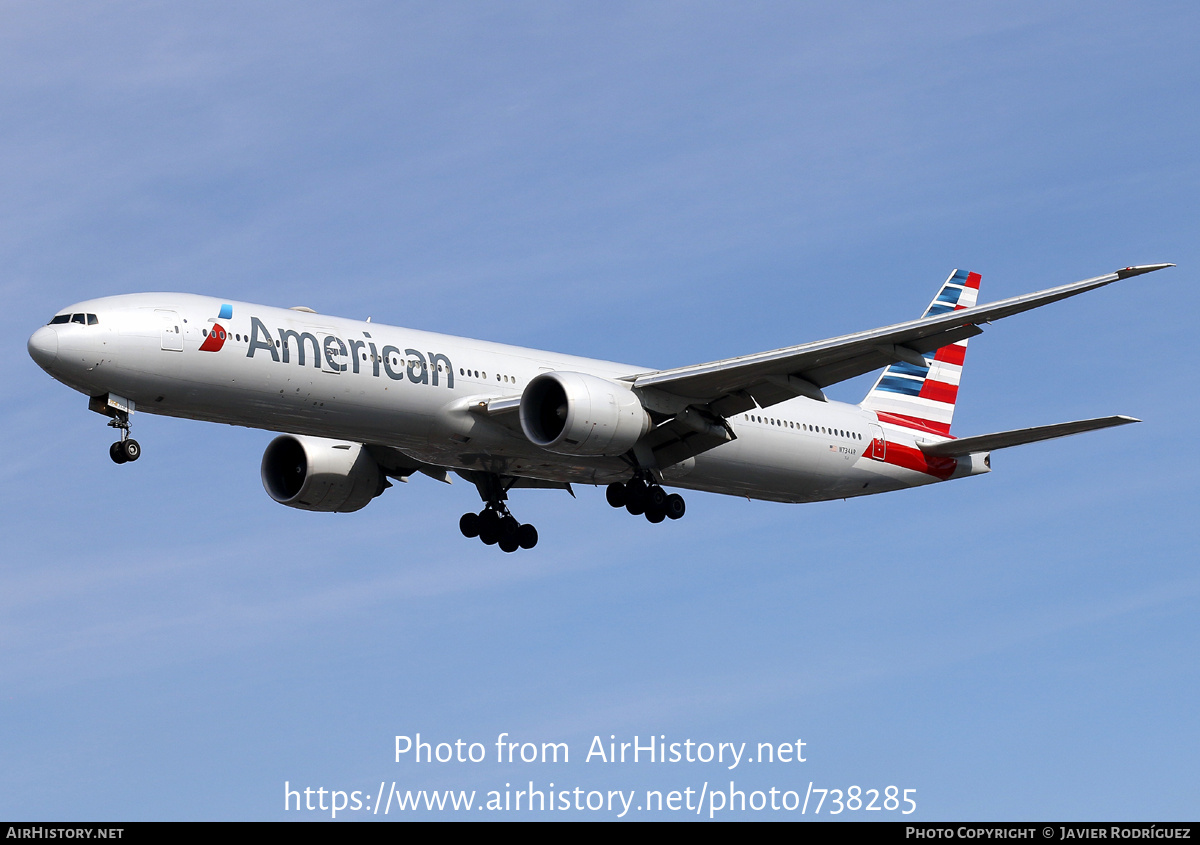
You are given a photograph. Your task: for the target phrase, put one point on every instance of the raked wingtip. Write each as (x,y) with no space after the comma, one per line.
(1140,269)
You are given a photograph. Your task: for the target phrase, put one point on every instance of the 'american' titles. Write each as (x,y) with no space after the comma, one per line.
(417,367)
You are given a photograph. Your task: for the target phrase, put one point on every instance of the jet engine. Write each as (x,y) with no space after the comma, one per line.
(315,474)
(578,414)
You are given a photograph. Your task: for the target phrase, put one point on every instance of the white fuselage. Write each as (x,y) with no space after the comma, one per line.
(304,373)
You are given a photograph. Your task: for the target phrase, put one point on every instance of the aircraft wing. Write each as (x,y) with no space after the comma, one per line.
(735,385)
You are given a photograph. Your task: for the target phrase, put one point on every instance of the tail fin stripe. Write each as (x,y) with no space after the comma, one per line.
(913,422)
(953,354)
(939,391)
(945,374)
(910,370)
(894,384)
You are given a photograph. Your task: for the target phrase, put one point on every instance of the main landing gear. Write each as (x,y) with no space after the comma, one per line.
(494,525)
(641,497)
(126,449)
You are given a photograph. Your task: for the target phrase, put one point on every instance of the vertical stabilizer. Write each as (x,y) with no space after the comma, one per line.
(923,397)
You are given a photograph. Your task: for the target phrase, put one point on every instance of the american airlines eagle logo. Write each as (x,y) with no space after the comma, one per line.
(215,339)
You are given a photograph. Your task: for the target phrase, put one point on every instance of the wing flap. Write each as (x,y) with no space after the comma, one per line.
(396,464)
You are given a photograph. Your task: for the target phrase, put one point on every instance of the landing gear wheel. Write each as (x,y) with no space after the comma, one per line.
(616,495)
(468,524)
(675,506)
(527,536)
(508,528)
(117,452)
(655,515)
(132,449)
(635,497)
(489,527)
(656,498)
(509,545)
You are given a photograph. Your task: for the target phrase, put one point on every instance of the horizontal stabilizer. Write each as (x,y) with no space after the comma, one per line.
(1019,436)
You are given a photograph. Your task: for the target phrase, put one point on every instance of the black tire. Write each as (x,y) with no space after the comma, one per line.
(616,495)
(656,498)
(489,523)
(527,536)
(489,538)
(509,545)
(132,449)
(509,526)
(655,515)
(468,524)
(635,497)
(675,506)
(117,452)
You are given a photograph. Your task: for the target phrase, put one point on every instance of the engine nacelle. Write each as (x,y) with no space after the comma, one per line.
(578,414)
(315,474)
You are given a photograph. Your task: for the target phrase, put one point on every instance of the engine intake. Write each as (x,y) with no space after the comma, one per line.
(315,474)
(578,414)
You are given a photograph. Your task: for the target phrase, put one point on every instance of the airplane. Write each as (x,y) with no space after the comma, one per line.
(359,403)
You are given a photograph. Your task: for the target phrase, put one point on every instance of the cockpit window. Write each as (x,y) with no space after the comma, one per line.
(81,319)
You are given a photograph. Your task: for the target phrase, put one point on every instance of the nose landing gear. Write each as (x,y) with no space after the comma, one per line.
(126,449)
(118,409)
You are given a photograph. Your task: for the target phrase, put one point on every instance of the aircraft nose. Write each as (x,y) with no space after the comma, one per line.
(43,346)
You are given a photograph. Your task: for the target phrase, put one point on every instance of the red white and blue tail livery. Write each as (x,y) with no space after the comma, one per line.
(921,393)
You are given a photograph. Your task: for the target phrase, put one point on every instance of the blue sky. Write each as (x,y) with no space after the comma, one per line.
(662,183)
